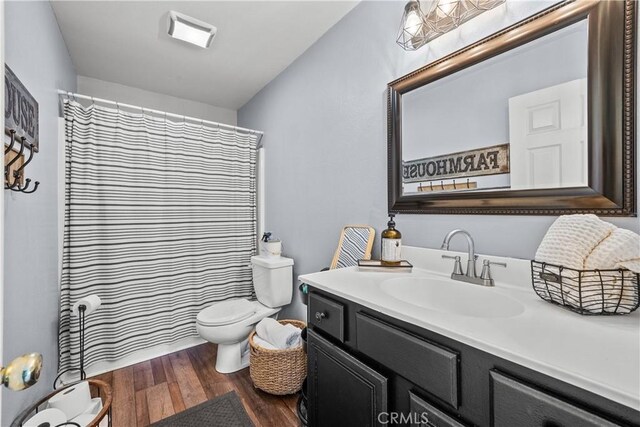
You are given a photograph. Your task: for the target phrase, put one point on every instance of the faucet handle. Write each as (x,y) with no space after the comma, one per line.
(457,267)
(486,268)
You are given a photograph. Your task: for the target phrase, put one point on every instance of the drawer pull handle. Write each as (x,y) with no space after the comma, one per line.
(320,316)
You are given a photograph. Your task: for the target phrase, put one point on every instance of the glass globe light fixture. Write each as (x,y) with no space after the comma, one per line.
(413,31)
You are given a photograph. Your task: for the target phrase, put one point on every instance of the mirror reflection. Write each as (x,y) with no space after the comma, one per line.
(515,121)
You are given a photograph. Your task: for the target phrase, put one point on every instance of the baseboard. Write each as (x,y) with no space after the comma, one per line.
(132,359)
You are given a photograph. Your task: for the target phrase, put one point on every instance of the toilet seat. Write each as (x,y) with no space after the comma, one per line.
(226,312)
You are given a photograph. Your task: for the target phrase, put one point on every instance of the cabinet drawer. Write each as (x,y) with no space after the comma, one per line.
(432,367)
(327,315)
(518,404)
(425,414)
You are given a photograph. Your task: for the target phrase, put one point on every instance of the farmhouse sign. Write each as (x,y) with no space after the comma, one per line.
(20,109)
(492,160)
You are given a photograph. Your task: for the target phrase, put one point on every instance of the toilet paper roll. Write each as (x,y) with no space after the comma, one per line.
(92,302)
(51,416)
(72,401)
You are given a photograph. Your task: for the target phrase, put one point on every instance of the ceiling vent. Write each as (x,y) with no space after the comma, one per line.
(190,30)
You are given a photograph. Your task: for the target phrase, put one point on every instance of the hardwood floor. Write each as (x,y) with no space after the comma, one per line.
(158,388)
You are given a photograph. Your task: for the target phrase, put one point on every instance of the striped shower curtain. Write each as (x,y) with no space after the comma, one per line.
(160,221)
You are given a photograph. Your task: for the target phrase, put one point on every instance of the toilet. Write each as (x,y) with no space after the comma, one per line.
(229,323)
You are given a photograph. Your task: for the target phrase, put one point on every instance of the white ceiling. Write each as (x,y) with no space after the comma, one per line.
(126,42)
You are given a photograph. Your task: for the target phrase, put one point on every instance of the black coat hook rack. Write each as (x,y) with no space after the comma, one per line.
(13,177)
(21,126)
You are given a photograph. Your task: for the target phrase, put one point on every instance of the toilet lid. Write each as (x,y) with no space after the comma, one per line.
(226,312)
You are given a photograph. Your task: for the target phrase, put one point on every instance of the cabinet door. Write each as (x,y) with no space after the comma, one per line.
(343,391)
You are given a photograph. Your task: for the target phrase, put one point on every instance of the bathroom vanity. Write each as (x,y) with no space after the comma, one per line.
(420,349)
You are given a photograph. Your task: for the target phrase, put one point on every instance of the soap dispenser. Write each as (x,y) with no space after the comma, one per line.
(391,244)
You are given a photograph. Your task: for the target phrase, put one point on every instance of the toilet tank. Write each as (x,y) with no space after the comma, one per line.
(272,280)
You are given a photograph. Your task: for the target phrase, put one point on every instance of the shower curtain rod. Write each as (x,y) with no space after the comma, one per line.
(164,113)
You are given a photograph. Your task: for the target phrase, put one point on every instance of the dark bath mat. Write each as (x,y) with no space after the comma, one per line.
(223,411)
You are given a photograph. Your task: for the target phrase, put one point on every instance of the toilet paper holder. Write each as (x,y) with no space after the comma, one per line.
(81,308)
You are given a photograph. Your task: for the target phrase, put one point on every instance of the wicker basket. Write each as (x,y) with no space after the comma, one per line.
(278,372)
(603,292)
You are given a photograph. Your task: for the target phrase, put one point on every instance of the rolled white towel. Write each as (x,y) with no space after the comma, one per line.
(280,336)
(619,247)
(262,343)
(571,238)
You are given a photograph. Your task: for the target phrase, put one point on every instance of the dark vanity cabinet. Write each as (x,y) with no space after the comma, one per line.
(369,369)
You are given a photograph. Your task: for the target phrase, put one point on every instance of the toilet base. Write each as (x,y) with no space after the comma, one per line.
(232,357)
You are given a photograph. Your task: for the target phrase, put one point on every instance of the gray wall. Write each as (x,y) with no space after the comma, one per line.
(159,101)
(324,119)
(37,54)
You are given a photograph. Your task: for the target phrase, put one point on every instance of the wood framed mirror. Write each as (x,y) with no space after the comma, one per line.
(537,119)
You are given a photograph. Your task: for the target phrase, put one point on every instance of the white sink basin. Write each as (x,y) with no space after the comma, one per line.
(450,296)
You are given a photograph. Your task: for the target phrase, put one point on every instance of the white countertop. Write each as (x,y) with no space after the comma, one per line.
(600,354)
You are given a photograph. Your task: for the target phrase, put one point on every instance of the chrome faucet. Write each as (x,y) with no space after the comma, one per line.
(471,261)
(470,276)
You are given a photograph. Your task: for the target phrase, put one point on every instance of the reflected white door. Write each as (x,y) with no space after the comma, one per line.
(548,137)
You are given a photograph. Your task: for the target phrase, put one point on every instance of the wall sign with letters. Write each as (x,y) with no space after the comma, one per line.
(492,160)
(20,110)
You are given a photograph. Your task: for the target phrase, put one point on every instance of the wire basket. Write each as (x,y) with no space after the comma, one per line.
(98,388)
(603,292)
(278,372)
